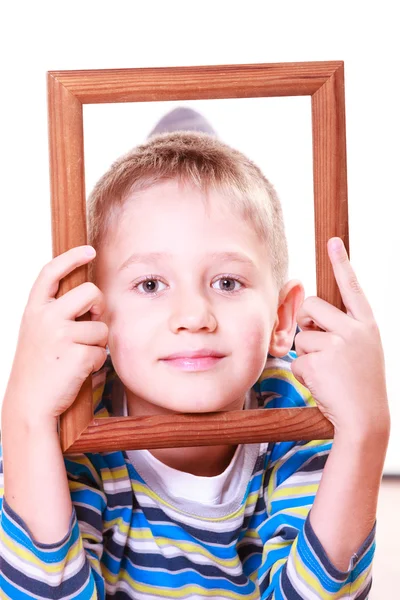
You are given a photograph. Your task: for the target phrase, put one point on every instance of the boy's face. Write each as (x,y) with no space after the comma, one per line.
(210,290)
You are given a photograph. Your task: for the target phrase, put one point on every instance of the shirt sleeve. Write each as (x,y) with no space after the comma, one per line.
(296,566)
(69,568)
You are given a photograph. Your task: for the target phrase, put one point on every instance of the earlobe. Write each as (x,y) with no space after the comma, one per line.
(290,299)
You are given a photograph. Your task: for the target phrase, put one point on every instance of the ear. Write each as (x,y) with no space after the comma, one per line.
(291,297)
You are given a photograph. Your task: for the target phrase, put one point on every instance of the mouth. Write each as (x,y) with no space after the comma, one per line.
(197,360)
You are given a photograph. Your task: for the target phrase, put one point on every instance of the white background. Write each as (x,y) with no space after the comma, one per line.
(41,36)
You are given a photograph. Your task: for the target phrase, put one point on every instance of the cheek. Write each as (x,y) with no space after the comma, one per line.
(256,339)
(252,345)
(129,333)
(253,332)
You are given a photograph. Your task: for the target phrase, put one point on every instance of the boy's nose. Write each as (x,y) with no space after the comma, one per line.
(192,315)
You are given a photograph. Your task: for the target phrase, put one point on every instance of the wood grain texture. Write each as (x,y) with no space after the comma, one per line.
(330,179)
(174,431)
(67,91)
(68,208)
(196,83)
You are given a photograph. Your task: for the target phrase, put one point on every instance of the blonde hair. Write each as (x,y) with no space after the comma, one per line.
(204,161)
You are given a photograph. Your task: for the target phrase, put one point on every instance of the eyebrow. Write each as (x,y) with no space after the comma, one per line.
(153,257)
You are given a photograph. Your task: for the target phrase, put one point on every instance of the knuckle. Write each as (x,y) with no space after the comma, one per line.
(62,333)
(89,288)
(336,341)
(356,333)
(103,327)
(311,301)
(102,331)
(82,352)
(47,270)
(355,285)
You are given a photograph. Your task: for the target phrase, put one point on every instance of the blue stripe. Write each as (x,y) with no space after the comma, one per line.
(48,553)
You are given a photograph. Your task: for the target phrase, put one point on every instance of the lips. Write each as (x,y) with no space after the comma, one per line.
(194,360)
(203,353)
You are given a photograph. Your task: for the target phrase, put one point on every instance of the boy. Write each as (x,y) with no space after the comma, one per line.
(197,315)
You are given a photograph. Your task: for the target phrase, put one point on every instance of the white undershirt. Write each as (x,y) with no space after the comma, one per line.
(204,490)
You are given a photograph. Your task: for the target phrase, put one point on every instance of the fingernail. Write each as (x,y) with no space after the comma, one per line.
(335,243)
(90,251)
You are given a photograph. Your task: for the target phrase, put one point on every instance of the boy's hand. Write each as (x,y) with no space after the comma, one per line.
(343,365)
(55,353)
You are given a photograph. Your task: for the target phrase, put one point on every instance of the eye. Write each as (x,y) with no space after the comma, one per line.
(151,285)
(227,284)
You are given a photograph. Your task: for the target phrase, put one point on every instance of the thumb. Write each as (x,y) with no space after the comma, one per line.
(298,368)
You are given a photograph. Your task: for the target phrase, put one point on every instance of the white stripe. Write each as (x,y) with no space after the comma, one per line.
(66,569)
(193,521)
(170,551)
(299,585)
(115,486)
(308,477)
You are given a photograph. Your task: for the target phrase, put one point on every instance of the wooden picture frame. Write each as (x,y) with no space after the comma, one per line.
(67,92)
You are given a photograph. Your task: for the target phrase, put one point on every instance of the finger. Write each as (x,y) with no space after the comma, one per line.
(91,333)
(97,357)
(353,296)
(312,341)
(47,283)
(80,300)
(317,313)
(308,324)
(298,367)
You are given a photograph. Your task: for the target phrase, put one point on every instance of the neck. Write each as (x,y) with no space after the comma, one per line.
(204,461)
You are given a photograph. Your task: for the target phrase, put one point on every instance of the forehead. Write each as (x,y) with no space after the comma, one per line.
(183,221)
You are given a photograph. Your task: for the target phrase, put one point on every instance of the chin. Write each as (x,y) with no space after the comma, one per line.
(198,403)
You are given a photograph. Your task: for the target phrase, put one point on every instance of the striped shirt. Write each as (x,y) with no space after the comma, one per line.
(129,539)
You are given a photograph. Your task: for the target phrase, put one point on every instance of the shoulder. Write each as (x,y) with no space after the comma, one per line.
(277,387)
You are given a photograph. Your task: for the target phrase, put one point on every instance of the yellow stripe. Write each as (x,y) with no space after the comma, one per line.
(311,579)
(276,566)
(116,473)
(270,546)
(195,549)
(139,487)
(360,581)
(252,498)
(185,547)
(295,490)
(286,375)
(272,487)
(122,525)
(81,459)
(75,486)
(250,533)
(17,550)
(298,511)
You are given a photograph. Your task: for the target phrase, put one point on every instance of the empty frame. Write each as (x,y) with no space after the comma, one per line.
(67,92)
